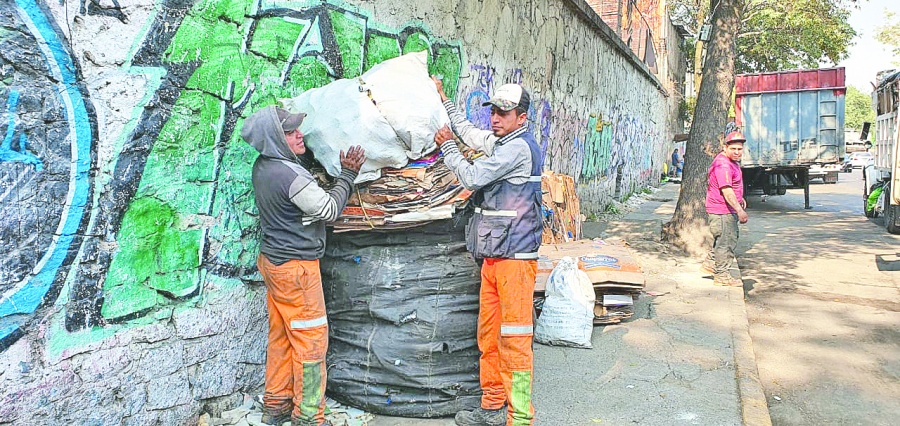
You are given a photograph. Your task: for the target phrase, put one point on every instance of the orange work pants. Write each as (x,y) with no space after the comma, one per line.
(298,340)
(505,331)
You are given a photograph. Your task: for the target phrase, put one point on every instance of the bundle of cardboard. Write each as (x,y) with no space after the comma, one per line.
(423,191)
(426,190)
(615,275)
(562,209)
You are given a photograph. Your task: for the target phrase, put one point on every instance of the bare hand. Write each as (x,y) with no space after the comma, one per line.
(440,87)
(354,159)
(743,217)
(443,134)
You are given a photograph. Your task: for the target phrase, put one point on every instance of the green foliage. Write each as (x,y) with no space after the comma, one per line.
(779,35)
(858,109)
(889,33)
(611,208)
(686,109)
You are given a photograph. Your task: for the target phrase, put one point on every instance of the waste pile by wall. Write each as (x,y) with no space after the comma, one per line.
(128,289)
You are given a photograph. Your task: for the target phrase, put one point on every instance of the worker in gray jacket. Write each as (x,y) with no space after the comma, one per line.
(293,210)
(505,231)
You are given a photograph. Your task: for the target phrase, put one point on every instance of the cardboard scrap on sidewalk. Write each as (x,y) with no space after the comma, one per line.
(614,273)
(562,209)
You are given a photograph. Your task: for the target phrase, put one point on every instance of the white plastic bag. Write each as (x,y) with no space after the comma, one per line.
(567,318)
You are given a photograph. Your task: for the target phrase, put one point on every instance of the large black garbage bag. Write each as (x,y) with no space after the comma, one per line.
(403,308)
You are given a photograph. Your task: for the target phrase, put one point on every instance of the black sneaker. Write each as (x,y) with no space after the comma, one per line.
(481,417)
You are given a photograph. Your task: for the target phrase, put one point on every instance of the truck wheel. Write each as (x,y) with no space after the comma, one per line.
(891,213)
(781,190)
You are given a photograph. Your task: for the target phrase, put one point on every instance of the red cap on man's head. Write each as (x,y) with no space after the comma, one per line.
(735,137)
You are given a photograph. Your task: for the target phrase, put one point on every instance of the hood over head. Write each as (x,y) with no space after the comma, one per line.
(263,131)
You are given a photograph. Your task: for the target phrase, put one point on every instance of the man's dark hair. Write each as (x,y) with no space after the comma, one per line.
(524,103)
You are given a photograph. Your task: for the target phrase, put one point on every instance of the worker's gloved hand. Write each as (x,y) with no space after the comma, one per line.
(354,158)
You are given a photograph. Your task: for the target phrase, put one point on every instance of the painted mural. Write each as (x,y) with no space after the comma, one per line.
(178,205)
(113,221)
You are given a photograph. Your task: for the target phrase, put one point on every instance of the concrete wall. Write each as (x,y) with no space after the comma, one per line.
(126,213)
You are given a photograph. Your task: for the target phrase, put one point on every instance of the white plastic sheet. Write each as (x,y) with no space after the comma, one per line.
(392,111)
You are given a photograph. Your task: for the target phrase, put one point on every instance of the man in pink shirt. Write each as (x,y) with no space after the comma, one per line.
(726,206)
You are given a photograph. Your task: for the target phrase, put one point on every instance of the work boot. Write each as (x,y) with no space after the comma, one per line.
(276,419)
(727,281)
(481,417)
(708,266)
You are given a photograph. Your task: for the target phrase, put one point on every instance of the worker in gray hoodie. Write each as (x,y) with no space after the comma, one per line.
(293,211)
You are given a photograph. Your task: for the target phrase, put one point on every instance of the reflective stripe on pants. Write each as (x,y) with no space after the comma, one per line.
(505,331)
(298,339)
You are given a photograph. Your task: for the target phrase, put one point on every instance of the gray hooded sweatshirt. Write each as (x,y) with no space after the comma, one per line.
(293,209)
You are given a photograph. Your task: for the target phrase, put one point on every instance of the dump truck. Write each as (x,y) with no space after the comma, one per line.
(881,179)
(794,125)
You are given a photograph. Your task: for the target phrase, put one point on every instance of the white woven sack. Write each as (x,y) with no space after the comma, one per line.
(567,317)
(339,116)
(406,96)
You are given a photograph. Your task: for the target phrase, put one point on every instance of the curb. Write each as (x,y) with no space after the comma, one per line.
(754,408)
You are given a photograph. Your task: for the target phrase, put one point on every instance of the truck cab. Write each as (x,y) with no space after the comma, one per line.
(881,180)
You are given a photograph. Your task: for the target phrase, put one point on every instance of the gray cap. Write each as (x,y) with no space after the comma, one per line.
(289,121)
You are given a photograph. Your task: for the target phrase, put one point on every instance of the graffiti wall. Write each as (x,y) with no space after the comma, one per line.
(129,234)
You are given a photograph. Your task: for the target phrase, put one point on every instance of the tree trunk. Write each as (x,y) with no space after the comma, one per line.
(688,229)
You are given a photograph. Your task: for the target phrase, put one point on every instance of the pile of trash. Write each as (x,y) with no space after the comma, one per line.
(392,111)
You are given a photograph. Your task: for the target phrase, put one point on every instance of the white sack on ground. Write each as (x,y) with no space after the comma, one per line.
(567,317)
(341,114)
(406,96)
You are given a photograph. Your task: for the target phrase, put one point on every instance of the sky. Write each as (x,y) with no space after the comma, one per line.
(868,56)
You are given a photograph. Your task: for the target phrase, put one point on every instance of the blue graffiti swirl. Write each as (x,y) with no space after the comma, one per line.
(26,296)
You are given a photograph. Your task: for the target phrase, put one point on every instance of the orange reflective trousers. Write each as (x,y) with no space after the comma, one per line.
(298,340)
(505,331)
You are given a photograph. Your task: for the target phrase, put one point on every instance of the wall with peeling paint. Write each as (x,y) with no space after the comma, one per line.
(126,213)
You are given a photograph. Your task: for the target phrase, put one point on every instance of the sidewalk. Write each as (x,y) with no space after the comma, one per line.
(684,358)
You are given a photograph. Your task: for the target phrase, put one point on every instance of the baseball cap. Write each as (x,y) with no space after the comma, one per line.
(509,96)
(289,121)
(735,137)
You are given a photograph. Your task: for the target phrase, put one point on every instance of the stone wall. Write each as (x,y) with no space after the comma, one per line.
(128,228)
